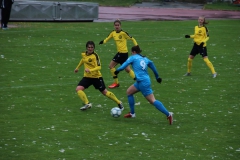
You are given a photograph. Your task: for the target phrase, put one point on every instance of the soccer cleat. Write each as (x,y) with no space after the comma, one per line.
(86,106)
(187,74)
(129,115)
(114,85)
(214,75)
(121,106)
(170,118)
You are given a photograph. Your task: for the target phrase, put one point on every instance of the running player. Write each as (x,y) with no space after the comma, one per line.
(120,37)
(92,76)
(140,66)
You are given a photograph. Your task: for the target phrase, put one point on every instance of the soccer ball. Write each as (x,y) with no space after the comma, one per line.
(116,112)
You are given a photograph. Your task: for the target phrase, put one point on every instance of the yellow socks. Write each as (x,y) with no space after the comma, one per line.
(112,97)
(209,64)
(131,73)
(189,65)
(114,76)
(82,96)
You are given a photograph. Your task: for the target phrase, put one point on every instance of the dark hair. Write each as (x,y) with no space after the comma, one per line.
(117,21)
(90,43)
(136,49)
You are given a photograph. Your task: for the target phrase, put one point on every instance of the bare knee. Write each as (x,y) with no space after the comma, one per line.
(79,88)
(104,92)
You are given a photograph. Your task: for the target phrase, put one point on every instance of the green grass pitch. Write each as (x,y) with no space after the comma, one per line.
(39,109)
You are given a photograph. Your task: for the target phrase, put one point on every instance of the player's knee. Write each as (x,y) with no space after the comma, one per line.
(190,59)
(79,88)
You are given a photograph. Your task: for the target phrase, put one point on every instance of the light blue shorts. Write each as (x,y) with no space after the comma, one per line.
(144,87)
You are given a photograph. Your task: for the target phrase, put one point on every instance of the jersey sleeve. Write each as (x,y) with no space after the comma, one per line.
(79,64)
(207,36)
(125,64)
(153,68)
(128,37)
(193,35)
(108,37)
(98,64)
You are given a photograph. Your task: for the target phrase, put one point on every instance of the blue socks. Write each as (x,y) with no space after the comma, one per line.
(157,104)
(131,103)
(160,107)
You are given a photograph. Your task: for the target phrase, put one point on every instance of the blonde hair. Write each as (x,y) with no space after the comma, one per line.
(204,22)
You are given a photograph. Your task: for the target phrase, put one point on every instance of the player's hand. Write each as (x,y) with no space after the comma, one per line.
(187,36)
(159,80)
(116,72)
(201,45)
(76,70)
(101,42)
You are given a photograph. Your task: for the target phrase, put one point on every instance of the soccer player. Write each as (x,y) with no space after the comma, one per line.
(120,37)
(92,76)
(200,38)
(140,66)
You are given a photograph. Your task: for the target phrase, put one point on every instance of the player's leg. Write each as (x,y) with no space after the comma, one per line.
(122,59)
(112,96)
(8,12)
(208,63)
(84,83)
(130,92)
(193,53)
(158,104)
(112,70)
(4,18)
(100,85)
(130,72)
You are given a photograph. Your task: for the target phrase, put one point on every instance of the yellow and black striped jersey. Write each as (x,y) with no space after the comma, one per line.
(200,35)
(121,40)
(92,62)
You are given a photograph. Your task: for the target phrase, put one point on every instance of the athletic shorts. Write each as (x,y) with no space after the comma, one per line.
(198,50)
(120,57)
(144,87)
(98,83)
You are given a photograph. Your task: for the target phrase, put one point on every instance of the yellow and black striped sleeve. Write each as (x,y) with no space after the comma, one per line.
(108,37)
(128,37)
(97,63)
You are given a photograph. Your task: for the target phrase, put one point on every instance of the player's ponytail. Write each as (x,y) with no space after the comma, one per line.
(137,50)
(204,22)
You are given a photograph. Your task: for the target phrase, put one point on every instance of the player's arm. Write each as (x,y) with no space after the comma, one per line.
(207,36)
(97,64)
(190,36)
(98,68)
(153,68)
(127,36)
(123,66)
(107,39)
(78,66)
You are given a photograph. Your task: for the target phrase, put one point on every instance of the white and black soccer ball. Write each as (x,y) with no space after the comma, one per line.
(116,112)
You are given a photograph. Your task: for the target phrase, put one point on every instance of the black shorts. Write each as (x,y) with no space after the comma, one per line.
(198,50)
(120,57)
(98,83)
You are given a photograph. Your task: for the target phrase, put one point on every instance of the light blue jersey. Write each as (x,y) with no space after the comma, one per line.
(140,65)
